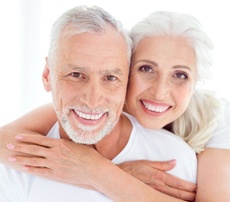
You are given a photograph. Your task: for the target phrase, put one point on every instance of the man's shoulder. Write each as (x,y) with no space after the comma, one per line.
(161,136)
(54,131)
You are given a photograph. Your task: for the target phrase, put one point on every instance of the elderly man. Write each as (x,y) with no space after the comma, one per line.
(88,59)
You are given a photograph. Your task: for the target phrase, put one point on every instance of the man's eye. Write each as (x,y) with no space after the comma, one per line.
(76,74)
(111,78)
(145,68)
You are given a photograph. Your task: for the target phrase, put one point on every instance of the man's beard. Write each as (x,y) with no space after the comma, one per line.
(87,134)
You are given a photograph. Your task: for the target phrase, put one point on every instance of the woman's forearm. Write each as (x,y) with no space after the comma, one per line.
(120,186)
(213,175)
(38,121)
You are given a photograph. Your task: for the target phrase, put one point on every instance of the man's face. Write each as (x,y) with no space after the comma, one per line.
(88,84)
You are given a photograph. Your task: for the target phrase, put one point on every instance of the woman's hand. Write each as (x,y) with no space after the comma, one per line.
(153,174)
(68,162)
(56,159)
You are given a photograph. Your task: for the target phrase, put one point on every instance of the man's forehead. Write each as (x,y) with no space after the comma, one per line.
(104,52)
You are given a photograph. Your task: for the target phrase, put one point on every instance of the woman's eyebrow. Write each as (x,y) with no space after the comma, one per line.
(181,67)
(148,61)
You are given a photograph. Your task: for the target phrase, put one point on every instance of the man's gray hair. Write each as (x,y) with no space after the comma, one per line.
(83,19)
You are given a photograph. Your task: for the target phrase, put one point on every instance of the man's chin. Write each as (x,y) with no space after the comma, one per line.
(88,139)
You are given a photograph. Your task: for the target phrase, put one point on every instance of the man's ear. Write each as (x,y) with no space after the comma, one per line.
(46,77)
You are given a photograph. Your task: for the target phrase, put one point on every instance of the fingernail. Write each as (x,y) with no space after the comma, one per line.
(18,137)
(12,159)
(10,146)
(172,162)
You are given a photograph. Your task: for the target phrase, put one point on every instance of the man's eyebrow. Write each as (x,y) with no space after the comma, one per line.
(112,71)
(75,68)
(102,72)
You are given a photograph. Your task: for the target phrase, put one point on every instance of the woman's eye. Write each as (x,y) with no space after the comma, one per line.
(145,68)
(181,75)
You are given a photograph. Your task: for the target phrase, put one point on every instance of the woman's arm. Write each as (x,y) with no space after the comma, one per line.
(214,163)
(32,123)
(120,186)
(213,175)
(66,161)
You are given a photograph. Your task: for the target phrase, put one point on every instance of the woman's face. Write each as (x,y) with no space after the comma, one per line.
(162,80)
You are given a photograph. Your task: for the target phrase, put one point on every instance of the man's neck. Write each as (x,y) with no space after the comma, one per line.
(112,144)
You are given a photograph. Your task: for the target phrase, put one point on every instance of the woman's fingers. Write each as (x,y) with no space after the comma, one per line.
(28,149)
(179,184)
(35,139)
(177,193)
(30,161)
(36,145)
(153,174)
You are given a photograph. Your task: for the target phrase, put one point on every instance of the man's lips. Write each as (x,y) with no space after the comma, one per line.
(87,118)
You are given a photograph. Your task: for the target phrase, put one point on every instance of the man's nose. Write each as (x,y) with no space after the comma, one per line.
(93,94)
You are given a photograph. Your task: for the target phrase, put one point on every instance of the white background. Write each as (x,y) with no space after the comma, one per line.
(24,38)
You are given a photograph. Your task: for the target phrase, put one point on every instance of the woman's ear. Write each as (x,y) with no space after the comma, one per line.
(46,76)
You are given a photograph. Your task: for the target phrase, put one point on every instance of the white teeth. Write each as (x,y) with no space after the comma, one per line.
(89,116)
(154,107)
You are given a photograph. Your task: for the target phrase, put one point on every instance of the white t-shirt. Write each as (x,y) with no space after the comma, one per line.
(221,137)
(143,144)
